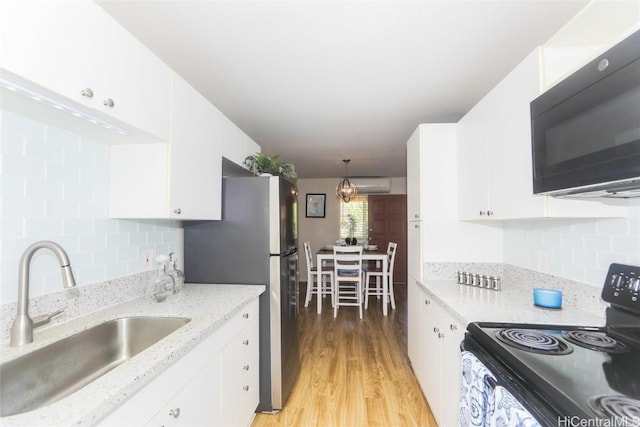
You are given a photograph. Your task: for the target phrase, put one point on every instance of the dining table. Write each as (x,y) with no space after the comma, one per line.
(379,256)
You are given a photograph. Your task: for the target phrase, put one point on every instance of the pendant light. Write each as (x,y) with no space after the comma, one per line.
(346,189)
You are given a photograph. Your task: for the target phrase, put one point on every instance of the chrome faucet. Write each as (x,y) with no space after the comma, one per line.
(22,328)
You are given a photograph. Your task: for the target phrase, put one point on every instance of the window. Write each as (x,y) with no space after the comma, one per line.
(358,209)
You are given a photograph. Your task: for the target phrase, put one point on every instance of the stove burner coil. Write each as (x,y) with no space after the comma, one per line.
(597,341)
(618,407)
(534,341)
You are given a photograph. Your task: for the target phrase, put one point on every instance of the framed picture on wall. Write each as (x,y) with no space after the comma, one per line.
(316,204)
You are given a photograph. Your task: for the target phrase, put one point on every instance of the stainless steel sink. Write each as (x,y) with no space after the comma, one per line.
(61,368)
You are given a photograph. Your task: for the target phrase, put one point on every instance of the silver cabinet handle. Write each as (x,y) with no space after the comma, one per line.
(108,103)
(245,367)
(87,92)
(489,213)
(245,388)
(440,335)
(416,216)
(175,413)
(427,302)
(483,213)
(416,225)
(245,315)
(453,327)
(436,329)
(177,211)
(245,342)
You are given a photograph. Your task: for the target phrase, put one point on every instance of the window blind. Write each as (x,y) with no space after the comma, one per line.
(355,215)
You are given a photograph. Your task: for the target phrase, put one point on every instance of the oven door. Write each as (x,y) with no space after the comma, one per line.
(503,397)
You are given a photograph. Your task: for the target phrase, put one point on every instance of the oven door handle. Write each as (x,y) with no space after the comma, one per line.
(490,382)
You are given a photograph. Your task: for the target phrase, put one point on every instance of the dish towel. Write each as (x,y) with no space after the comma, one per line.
(509,412)
(476,395)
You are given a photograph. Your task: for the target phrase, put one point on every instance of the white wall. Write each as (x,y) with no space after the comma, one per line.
(325,231)
(54,186)
(576,249)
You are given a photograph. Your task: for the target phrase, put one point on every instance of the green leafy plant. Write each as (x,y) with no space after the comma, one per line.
(261,163)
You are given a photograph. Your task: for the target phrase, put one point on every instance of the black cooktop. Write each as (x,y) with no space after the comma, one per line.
(574,379)
(589,372)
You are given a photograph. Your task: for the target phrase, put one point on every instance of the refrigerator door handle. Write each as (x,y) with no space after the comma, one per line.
(285,253)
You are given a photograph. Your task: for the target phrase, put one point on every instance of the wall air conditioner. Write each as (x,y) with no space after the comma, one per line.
(372,185)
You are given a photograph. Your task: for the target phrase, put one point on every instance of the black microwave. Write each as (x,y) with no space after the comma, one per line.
(585,131)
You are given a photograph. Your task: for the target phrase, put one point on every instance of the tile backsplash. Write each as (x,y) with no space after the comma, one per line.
(575,249)
(54,186)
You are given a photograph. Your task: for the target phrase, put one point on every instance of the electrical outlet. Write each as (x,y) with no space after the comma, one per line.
(147,258)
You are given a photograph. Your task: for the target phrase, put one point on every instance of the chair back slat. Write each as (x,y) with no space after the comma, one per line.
(308,254)
(347,261)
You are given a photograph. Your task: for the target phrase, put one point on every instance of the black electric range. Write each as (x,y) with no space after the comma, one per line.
(565,374)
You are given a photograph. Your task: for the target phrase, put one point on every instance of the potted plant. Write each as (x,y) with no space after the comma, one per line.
(260,163)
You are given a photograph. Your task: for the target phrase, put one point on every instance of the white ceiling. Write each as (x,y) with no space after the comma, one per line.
(319,81)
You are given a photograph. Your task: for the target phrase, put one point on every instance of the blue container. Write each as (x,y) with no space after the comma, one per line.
(547,298)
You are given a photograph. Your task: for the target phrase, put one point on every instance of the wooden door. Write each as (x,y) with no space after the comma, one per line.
(388,223)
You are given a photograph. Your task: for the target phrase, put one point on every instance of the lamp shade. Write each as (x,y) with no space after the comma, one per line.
(346,190)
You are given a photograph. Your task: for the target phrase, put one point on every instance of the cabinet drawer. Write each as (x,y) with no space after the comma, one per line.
(240,376)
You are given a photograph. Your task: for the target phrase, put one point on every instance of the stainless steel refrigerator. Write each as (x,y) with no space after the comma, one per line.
(256,243)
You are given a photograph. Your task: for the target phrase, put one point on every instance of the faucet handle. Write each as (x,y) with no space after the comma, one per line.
(43,319)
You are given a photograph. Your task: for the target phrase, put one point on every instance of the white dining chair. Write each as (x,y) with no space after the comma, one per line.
(348,277)
(377,273)
(319,279)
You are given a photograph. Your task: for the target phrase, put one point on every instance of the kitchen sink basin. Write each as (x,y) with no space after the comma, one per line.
(63,367)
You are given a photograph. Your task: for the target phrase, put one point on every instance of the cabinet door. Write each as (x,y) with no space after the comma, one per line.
(414,249)
(451,369)
(239,378)
(137,81)
(509,143)
(432,355)
(414,178)
(473,190)
(195,183)
(49,43)
(414,327)
(71,47)
(196,404)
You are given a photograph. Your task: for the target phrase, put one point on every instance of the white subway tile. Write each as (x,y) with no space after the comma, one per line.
(13,187)
(138,239)
(24,167)
(78,226)
(43,228)
(88,275)
(62,173)
(613,226)
(61,209)
(129,254)
(62,139)
(627,245)
(22,207)
(92,242)
(44,189)
(20,125)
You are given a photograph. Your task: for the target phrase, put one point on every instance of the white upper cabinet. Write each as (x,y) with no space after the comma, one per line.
(595,29)
(414,177)
(180,180)
(78,51)
(494,157)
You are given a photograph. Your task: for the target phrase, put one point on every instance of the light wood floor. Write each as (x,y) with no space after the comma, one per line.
(353,372)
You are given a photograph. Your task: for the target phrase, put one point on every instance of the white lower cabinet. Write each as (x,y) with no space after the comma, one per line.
(215,384)
(239,378)
(434,338)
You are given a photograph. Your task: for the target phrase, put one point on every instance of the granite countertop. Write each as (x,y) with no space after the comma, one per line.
(207,306)
(512,304)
